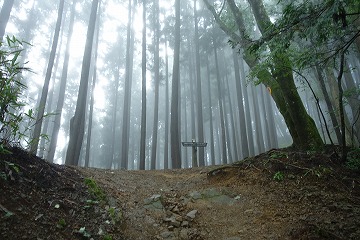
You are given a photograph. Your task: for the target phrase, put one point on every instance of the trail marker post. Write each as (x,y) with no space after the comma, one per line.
(194,146)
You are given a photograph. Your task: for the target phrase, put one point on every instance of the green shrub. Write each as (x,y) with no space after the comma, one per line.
(11,89)
(95,189)
(278,176)
(353,159)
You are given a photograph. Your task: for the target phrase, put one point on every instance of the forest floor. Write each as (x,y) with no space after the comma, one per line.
(280,194)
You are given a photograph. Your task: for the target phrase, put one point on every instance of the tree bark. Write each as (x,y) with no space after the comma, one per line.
(77,122)
(257,120)
(192,101)
(220,102)
(167,113)
(127,89)
(143,93)
(211,130)
(243,129)
(61,98)
(157,85)
(94,78)
(45,89)
(250,136)
(174,125)
(330,108)
(200,120)
(234,141)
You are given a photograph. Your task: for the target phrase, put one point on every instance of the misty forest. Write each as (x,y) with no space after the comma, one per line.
(179,119)
(122,84)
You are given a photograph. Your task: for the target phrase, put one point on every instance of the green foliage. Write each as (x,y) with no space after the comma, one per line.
(11,88)
(353,159)
(90,203)
(278,155)
(61,223)
(116,215)
(9,169)
(319,171)
(108,237)
(3,176)
(13,166)
(95,189)
(310,32)
(3,150)
(278,176)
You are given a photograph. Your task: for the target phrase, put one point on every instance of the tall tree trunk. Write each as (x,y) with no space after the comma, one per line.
(232,123)
(330,108)
(243,129)
(60,102)
(174,125)
(250,136)
(353,100)
(127,90)
(143,93)
(192,101)
(49,103)
(77,122)
(334,98)
(220,102)
(167,113)
(199,90)
(257,120)
(94,76)
(265,123)
(45,89)
(157,85)
(270,119)
(89,128)
(4,16)
(113,119)
(212,148)
(184,121)
(227,124)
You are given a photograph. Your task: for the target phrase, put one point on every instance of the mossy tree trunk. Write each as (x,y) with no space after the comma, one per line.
(280,80)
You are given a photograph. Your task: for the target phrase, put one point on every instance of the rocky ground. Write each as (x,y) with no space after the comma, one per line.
(281,194)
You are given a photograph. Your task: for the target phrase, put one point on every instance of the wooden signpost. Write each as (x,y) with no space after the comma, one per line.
(194,146)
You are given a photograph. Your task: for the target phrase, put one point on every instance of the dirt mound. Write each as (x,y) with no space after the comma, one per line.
(281,194)
(40,200)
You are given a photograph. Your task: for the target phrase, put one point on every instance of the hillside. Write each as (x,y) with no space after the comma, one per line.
(281,194)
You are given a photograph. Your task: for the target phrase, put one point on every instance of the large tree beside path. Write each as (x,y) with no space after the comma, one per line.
(280,79)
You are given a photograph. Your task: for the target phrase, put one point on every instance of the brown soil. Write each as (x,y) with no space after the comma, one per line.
(280,194)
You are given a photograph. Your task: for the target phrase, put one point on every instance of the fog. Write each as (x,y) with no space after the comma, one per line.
(124,121)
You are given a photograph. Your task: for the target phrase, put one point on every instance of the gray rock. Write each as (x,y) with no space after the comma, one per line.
(178,218)
(175,223)
(211,192)
(153,203)
(223,199)
(185,224)
(192,214)
(172,221)
(175,209)
(184,234)
(195,195)
(167,235)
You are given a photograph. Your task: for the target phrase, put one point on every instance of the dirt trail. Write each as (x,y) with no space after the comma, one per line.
(280,194)
(233,203)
